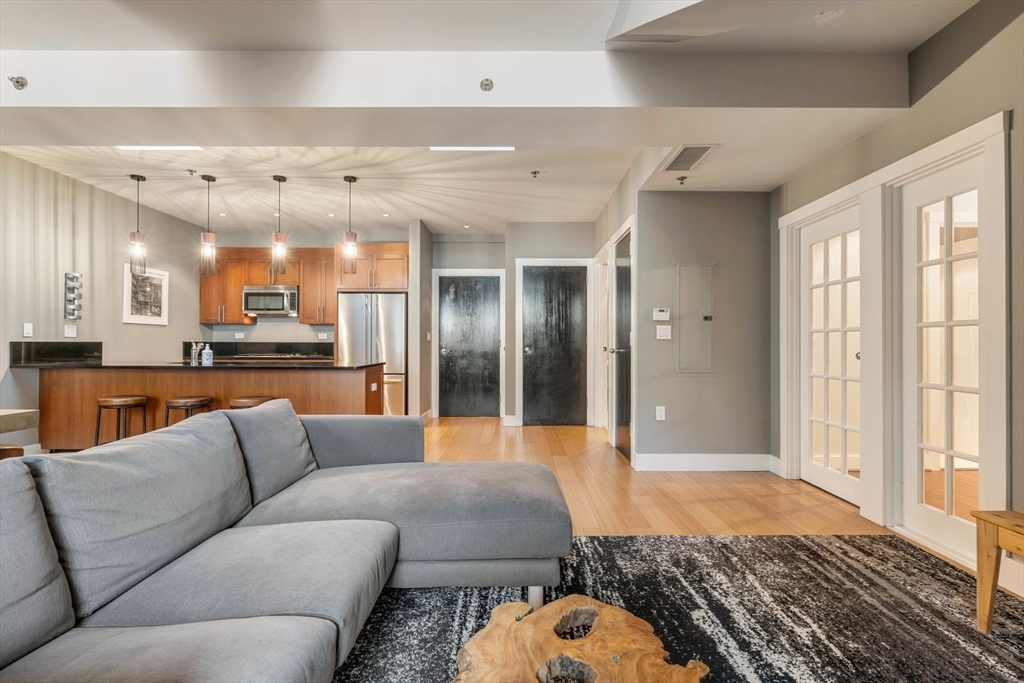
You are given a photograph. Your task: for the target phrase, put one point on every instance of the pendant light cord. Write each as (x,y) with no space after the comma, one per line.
(279,206)
(207,206)
(350,207)
(138,206)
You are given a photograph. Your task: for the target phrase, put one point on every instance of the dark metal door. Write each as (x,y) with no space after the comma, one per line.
(469,344)
(622,362)
(554,345)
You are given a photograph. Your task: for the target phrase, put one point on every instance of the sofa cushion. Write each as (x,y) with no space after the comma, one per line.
(332,570)
(35,603)
(270,649)
(121,511)
(444,511)
(274,445)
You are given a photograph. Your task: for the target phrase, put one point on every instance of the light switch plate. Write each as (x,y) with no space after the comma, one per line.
(26,330)
(373,386)
(239,335)
(428,336)
(664,331)
(659,412)
(321,335)
(70,331)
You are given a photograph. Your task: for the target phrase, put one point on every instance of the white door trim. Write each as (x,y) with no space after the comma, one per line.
(435,390)
(881,266)
(517,419)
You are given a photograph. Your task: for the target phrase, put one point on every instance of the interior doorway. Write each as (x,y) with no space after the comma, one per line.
(468,349)
(621,425)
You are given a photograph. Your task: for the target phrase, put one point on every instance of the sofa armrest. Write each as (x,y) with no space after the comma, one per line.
(342,440)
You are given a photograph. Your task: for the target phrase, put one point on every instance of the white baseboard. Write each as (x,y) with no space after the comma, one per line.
(34,449)
(1010,575)
(701,462)
(512,421)
(776,466)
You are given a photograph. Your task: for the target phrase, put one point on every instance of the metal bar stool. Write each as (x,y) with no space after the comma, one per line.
(122,404)
(187,403)
(248,401)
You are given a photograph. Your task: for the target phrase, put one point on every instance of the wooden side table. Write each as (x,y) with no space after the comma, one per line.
(998,530)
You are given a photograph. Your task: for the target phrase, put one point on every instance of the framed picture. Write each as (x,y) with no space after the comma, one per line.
(145,297)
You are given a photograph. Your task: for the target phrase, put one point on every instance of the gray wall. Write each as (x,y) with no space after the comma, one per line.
(535,240)
(726,412)
(469,251)
(988,81)
(421,256)
(51,224)
(622,204)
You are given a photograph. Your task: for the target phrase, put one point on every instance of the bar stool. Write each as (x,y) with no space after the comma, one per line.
(248,401)
(122,404)
(8,451)
(187,403)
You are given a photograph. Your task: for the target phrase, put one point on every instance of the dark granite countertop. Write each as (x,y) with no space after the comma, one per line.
(185,365)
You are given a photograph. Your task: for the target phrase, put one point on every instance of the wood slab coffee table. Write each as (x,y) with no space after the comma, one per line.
(573,640)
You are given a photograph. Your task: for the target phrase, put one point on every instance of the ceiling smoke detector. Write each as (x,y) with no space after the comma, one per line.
(681,179)
(829,15)
(19,82)
(487,85)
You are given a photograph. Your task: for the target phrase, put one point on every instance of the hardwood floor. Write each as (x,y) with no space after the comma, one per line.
(607,497)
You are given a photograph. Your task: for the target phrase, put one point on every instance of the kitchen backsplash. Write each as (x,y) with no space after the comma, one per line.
(228,349)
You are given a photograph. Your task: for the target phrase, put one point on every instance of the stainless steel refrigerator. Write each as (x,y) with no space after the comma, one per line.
(372,329)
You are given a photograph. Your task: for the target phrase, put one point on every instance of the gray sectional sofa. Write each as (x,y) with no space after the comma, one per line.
(249,545)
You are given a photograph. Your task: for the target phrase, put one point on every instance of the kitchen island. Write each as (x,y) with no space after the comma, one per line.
(68,392)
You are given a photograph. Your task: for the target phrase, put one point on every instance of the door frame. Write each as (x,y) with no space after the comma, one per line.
(435,359)
(586,262)
(877,198)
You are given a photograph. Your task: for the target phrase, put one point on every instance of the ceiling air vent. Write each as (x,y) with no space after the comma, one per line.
(688,157)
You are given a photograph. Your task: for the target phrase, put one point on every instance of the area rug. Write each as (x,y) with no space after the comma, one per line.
(753,608)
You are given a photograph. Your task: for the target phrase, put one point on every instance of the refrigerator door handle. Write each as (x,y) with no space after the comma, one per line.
(376,335)
(368,329)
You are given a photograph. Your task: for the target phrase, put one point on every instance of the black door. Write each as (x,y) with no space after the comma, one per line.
(469,343)
(554,345)
(623,323)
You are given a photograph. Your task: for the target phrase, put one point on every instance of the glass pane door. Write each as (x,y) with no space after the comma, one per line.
(831,329)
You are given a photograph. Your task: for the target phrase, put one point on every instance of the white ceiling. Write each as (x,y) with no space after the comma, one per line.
(456,25)
(445,189)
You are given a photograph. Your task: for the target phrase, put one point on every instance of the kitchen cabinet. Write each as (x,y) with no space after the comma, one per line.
(317,305)
(258,271)
(220,295)
(379,265)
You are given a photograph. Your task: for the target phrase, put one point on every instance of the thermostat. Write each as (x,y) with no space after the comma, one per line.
(661,314)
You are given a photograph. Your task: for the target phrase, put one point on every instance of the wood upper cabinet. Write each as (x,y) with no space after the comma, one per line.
(379,265)
(258,271)
(316,291)
(220,295)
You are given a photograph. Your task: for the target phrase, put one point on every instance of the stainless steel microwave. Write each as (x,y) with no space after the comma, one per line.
(270,300)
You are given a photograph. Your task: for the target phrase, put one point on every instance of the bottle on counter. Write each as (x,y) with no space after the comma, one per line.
(207,354)
(195,354)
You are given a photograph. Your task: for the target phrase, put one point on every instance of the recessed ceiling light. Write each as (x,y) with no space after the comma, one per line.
(829,15)
(330,215)
(472,149)
(466,226)
(222,214)
(277,214)
(386,215)
(159,148)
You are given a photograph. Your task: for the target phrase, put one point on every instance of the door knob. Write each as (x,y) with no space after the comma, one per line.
(444,350)
(527,350)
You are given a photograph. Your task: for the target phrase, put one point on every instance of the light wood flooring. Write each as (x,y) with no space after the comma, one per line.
(607,497)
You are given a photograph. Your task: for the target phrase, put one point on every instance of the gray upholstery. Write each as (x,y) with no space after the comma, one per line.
(342,440)
(444,511)
(332,570)
(35,603)
(274,446)
(543,572)
(267,649)
(121,511)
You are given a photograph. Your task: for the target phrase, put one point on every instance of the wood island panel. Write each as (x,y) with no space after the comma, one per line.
(67,396)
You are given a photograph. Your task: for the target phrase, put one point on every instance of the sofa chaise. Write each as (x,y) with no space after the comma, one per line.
(249,545)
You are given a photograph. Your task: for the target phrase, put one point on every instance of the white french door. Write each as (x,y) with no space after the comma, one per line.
(951,341)
(830,354)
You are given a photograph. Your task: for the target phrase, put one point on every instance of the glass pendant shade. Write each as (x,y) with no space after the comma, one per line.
(208,254)
(137,253)
(278,253)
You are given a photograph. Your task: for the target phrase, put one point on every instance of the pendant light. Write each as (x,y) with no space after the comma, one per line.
(208,240)
(279,241)
(137,239)
(348,261)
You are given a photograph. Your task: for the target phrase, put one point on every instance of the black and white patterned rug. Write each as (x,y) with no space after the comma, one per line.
(753,608)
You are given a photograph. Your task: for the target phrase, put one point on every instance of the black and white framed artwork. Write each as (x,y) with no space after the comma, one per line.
(145,297)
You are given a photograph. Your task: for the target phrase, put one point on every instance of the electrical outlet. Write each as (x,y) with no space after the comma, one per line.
(428,336)
(26,330)
(239,335)
(659,412)
(321,335)
(663,332)
(70,331)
